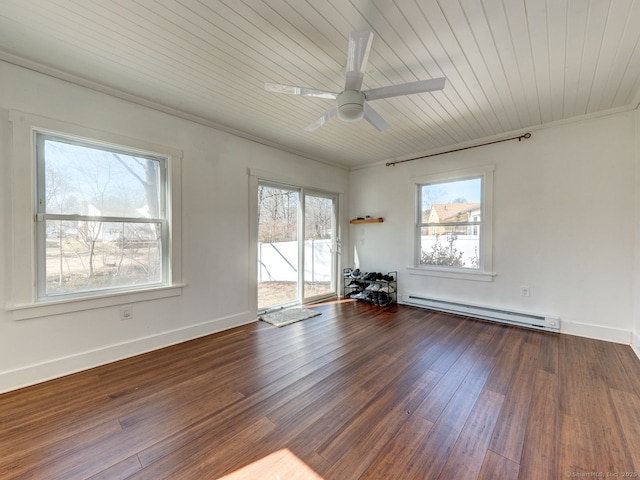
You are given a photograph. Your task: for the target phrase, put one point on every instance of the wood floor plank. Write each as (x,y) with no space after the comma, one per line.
(597,412)
(540,448)
(51,429)
(497,467)
(169,415)
(509,433)
(394,461)
(576,454)
(317,419)
(318,429)
(580,372)
(614,375)
(399,379)
(282,464)
(549,352)
(224,433)
(455,365)
(628,411)
(315,401)
(467,456)
(631,364)
(359,392)
(502,338)
(506,365)
(434,453)
(352,452)
(119,471)
(276,394)
(215,462)
(73,457)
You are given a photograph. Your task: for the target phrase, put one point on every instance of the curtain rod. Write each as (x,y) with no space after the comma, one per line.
(519,138)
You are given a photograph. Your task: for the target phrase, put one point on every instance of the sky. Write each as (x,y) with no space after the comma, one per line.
(470,190)
(95,176)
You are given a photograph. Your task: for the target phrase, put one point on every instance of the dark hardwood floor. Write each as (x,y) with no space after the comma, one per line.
(359,392)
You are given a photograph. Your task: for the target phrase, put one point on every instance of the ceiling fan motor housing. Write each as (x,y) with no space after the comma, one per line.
(350,105)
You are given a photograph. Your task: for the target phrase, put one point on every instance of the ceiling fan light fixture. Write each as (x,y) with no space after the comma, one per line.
(350,105)
(353,103)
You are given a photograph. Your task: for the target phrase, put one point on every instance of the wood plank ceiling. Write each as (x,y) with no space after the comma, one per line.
(510,65)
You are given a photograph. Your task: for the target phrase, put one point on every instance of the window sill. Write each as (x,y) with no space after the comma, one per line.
(60,306)
(458,274)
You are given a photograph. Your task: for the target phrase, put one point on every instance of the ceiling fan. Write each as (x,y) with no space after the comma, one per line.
(352,103)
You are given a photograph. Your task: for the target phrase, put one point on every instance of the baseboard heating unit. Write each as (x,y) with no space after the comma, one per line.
(521,319)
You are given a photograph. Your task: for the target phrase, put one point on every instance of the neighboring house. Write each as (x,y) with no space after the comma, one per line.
(453,213)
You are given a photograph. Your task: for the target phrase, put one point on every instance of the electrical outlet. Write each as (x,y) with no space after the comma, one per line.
(525,291)
(126,312)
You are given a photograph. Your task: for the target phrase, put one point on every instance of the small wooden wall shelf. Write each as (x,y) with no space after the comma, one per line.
(368,220)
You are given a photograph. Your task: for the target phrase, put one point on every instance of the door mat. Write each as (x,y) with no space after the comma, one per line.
(288,316)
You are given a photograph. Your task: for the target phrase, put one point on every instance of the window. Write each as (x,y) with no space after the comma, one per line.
(100,217)
(95,218)
(453,223)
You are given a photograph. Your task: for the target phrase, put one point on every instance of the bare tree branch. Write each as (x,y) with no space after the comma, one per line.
(124,164)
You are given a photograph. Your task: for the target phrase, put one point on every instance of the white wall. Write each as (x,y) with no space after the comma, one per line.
(215,218)
(558,199)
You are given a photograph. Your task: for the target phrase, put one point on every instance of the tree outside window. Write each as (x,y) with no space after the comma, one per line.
(101,217)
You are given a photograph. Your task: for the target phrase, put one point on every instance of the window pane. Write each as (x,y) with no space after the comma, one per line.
(318,240)
(82,256)
(452,213)
(277,247)
(451,202)
(449,248)
(84,180)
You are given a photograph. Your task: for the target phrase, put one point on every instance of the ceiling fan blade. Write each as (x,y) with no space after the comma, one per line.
(357,56)
(305,92)
(420,86)
(328,115)
(375,119)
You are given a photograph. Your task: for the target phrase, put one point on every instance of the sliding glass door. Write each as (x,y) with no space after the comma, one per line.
(319,246)
(278,258)
(296,245)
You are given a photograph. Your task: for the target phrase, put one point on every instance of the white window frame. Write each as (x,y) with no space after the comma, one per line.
(485,270)
(23,299)
(41,215)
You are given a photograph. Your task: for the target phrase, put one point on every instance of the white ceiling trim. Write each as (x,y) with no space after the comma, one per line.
(496,138)
(106,90)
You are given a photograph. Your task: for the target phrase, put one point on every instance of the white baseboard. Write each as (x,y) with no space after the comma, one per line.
(635,343)
(597,332)
(60,367)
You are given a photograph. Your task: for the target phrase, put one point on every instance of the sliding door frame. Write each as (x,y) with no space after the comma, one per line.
(312,192)
(257,178)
